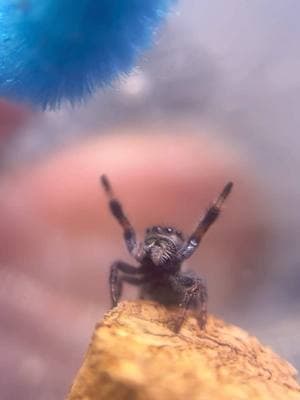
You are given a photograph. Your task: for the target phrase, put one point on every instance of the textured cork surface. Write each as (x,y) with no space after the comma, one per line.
(134,355)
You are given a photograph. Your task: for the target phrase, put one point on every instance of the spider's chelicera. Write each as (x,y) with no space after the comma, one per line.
(160,257)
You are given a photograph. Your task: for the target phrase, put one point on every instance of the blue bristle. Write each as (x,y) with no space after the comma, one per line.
(53,51)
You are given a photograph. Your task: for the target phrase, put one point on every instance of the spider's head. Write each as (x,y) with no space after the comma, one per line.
(161,244)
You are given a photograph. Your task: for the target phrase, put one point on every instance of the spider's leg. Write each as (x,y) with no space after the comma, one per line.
(117,211)
(200,303)
(193,294)
(117,277)
(206,221)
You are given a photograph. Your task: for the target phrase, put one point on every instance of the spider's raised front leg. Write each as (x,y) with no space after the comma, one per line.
(193,295)
(206,221)
(117,211)
(120,272)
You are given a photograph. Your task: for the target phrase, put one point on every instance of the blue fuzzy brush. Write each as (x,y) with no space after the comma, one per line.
(57,50)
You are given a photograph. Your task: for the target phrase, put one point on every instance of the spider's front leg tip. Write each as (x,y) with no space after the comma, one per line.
(227,189)
(105,183)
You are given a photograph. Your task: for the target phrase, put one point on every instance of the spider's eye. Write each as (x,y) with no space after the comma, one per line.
(169,230)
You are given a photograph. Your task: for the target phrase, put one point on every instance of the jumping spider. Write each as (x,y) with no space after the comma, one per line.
(160,257)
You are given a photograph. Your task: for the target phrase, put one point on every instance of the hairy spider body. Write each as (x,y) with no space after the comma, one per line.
(160,257)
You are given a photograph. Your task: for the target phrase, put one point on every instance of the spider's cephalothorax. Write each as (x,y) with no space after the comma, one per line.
(160,257)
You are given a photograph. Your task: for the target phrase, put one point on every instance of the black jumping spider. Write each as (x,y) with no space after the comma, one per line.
(160,257)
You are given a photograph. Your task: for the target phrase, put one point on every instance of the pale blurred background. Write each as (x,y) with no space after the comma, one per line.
(216,99)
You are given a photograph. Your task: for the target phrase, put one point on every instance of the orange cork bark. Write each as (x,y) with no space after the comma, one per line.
(134,355)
